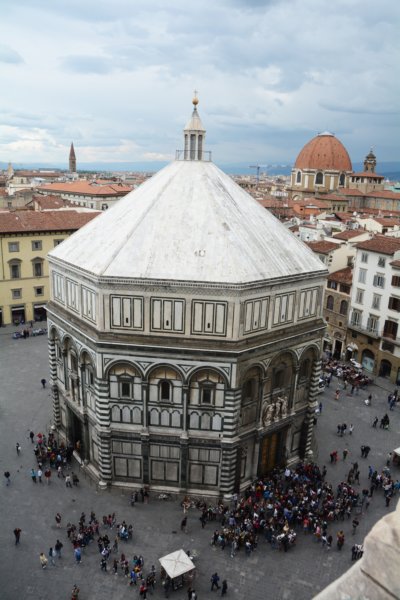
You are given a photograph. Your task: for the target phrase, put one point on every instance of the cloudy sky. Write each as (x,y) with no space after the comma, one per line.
(118,77)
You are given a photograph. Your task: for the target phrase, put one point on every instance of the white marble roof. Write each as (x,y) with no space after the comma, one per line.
(189,222)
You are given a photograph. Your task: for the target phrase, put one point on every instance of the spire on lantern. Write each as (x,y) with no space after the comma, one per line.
(194,134)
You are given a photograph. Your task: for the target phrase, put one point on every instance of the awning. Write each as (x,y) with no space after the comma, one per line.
(15,308)
(39,305)
(177,563)
(352,347)
(397,451)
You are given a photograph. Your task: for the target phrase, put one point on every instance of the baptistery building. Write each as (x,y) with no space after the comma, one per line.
(185,334)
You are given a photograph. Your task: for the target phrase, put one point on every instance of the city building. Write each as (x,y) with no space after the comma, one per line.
(25,239)
(90,194)
(336,311)
(373,330)
(185,332)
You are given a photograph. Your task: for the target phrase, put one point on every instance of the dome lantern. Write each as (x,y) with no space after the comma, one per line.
(194,134)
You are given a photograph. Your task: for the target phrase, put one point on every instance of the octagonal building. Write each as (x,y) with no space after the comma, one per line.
(185,333)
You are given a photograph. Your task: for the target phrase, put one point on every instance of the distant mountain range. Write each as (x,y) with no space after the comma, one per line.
(390,170)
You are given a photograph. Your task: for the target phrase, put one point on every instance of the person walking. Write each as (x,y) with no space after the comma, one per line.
(184,524)
(51,556)
(17,533)
(337,394)
(43,382)
(7,475)
(75,592)
(58,520)
(215,581)
(47,475)
(355,524)
(39,474)
(351,429)
(68,481)
(224,588)
(43,560)
(375,423)
(345,453)
(78,555)
(31,435)
(18,448)
(58,547)
(33,475)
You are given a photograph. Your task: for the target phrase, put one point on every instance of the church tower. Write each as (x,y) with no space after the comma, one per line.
(370,162)
(72,159)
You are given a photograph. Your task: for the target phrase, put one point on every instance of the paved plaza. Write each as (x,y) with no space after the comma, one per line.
(299,574)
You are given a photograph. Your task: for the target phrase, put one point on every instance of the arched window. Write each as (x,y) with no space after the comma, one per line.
(329,303)
(343,307)
(305,369)
(342,179)
(165,391)
(37,266)
(319,178)
(298,177)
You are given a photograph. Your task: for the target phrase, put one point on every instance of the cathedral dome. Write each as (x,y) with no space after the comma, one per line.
(324,153)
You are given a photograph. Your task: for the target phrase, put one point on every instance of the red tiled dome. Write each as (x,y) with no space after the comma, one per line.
(324,152)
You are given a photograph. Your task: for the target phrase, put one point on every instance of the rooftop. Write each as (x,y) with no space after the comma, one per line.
(342,276)
(348,234)
(381,244)
(26,221)
(86,188)
(322,247)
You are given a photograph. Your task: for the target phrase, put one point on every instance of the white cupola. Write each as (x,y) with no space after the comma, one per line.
(194,135)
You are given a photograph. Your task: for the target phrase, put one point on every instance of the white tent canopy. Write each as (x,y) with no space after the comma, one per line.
(177,563)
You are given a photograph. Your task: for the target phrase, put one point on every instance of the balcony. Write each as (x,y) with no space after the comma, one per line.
(372,332)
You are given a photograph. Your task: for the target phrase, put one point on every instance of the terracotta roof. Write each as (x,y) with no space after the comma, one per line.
(86,188)
(322,247)
(348,234)
(334,197)
(39,174)
(324,152)
(49,202)
(342,276)
(386,221)
(367,174)
(381,244)
(395,264)
(351,192)
(57,220)
(343,216)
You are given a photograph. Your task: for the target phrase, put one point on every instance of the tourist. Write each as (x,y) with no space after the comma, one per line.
(43,560)
(7,475)
(17,533)
(215,581)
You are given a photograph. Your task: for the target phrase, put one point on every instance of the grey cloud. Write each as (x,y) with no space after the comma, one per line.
(8,55)
(85,65)
(360,110)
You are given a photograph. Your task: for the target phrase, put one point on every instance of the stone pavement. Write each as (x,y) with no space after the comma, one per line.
(267,573)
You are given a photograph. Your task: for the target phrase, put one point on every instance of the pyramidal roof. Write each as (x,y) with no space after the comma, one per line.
(189,222)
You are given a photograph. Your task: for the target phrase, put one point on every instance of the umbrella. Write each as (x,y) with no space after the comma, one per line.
(177,563)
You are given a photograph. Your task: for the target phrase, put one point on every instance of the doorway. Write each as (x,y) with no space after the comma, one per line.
(271,452)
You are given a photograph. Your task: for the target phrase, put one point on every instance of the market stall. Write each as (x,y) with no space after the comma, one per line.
(179,568)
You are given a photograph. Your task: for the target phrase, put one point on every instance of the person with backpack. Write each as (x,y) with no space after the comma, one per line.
(215,581)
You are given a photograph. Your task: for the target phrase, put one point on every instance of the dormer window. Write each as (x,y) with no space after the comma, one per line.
(298,177)
(319,178)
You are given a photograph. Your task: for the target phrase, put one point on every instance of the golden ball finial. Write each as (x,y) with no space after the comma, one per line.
(195,100)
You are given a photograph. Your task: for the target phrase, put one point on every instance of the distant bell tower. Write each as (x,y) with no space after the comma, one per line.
(72,159)
(370,162)
(194,135)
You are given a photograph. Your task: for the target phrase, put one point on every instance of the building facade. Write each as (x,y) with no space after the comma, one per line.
(25,239)
(89,194)
(185,352)
(373,330)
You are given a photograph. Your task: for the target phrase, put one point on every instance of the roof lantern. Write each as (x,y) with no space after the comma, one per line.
(194,135)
